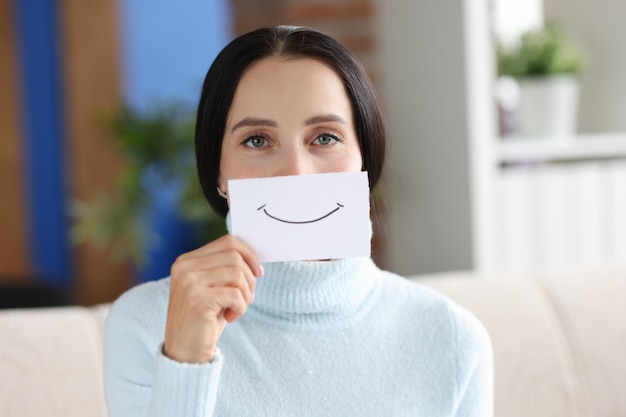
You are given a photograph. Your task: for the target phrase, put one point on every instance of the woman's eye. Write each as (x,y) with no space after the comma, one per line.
(255,142)
(326,139)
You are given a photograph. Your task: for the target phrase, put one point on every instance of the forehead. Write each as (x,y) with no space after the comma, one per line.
(273,82)
(278,68)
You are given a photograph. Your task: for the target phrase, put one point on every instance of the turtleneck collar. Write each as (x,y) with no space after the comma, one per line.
(313,293)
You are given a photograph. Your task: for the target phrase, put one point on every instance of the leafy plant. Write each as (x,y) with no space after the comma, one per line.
(542,52)
(160,145)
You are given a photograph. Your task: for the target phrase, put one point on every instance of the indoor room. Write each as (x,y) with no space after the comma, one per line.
(503,187)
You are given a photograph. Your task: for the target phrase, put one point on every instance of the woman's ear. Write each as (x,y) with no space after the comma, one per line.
(222,190)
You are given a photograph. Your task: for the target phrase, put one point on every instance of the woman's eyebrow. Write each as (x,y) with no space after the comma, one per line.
(257,121)
(253,121)
(325,118)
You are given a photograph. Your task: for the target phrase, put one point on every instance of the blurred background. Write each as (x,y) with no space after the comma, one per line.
(97,182)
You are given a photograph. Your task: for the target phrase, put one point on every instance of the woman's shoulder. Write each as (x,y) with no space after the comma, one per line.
(411,299)
(147,294)
(410,294)
(142,306)
(445,331)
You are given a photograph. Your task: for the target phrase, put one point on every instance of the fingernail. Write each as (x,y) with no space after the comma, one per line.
(252,299)
(261,270)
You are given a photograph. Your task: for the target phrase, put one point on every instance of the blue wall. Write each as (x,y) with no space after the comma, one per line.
(167,48)
(41,91)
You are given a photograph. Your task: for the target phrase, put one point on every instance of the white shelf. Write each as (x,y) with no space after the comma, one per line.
(582,147)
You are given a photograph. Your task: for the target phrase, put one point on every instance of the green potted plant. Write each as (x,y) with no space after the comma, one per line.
(158,147)
(546,65)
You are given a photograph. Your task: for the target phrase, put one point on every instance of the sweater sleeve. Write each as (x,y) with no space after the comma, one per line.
(185,389)
(474,364)
(139,380)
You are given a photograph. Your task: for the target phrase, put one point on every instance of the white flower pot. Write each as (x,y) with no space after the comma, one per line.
(548,106)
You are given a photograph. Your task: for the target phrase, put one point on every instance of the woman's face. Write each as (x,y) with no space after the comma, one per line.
(289,118)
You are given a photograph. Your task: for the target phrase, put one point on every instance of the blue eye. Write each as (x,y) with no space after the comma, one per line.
(255,141)
(326,139)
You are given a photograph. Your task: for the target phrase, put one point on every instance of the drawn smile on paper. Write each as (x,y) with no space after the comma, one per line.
(339,206)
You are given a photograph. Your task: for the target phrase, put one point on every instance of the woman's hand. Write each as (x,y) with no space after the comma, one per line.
(210,286)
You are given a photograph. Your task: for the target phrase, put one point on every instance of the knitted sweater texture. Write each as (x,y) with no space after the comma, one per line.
(322,338)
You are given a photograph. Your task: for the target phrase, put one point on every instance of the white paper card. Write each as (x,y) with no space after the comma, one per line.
(302,217)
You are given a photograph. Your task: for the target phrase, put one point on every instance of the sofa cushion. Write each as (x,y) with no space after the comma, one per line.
(558,337)
(51,362)
(592,311)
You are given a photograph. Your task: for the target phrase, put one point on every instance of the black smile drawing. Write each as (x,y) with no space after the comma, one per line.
(339,206)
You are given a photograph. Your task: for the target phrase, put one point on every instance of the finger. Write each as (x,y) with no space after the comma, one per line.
(247,253)
(229,264)
(230,301)
(225,243)
(233,277)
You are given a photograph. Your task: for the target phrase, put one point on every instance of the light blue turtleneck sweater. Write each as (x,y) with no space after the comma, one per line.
(322,338)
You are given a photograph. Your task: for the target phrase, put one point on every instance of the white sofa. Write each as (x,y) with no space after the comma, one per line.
(559,342)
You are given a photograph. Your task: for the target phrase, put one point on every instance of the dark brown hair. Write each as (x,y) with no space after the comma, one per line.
(289,43)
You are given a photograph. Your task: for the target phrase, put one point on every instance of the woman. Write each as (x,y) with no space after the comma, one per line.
(227,336)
